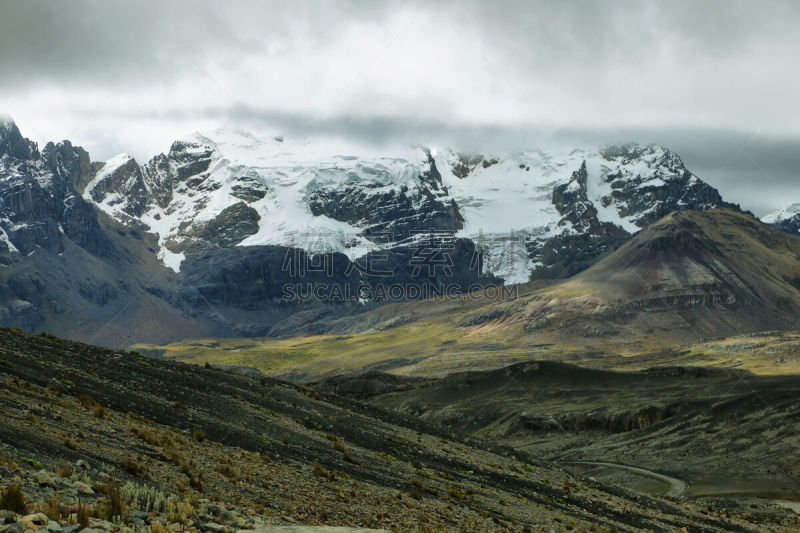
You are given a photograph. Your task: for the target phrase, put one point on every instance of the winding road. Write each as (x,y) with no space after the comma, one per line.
(677,487)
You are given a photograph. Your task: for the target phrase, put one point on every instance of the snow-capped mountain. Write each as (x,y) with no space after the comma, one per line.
(787,218)
(533,213)
(85,246)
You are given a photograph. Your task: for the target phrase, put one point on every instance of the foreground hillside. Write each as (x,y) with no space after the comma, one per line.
(227,449)
(686,280)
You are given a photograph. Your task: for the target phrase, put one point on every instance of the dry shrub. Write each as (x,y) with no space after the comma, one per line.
(54,510)
(64,470)
(84,513)
(146,434)
(339,446)
(87,402)
(227,471)
(13,499)
(179,512)
(321,471)
(130,467)
(113,508)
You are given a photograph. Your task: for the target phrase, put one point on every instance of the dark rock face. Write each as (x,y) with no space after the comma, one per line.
(234,224)
(584,239)
(127,179)
(251,289)
(72,163)
(39,205)
(161,176)
(257,277)
(81,225)
(391,215)
(13,144)
(466,163)
(248,189)
(231,226)
(573,204)
(569,254)
(191,160)
(424,270)
(387,216)
(21,313)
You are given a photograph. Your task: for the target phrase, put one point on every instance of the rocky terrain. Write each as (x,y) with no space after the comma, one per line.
(109,439)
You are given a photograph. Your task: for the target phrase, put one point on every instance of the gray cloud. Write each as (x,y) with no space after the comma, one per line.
(713,80)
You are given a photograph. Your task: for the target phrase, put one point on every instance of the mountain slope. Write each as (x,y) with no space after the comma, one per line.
(68,267)
(696,274)
(280,454)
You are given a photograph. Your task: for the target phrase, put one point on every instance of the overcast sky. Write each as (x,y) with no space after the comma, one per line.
(716,81)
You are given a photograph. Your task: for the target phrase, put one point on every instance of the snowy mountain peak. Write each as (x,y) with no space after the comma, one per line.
(6,122)
(229,187)
(13,143)
(787,218)
(782,214)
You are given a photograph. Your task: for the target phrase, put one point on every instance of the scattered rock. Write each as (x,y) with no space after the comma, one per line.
(46,480)
(16,528)
(39,519)
(83,488)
